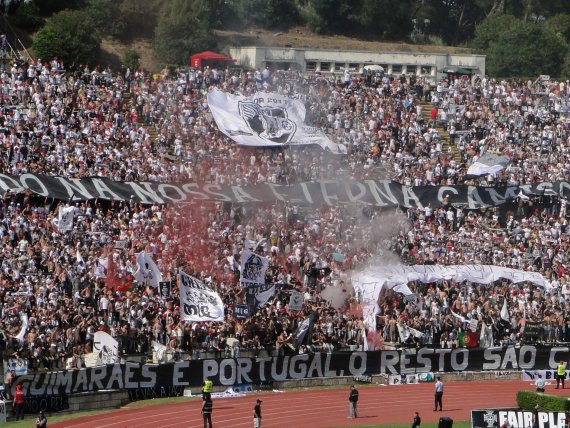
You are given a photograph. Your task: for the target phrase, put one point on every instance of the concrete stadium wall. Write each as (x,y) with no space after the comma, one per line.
(115,399)
(87,401)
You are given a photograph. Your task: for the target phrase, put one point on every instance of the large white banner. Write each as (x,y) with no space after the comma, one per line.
(106,348)
(197,301)
(266,120)
(253,268)
(369,283)
(147,270)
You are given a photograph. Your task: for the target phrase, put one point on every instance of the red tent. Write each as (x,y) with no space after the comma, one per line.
(206,58)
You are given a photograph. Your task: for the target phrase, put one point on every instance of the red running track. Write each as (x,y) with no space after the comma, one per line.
(320,408)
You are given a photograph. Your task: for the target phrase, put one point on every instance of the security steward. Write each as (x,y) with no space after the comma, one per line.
(207,389)
(560,374)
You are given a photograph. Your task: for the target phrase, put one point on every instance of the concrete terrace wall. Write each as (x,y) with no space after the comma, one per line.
(115,399)
(87,401)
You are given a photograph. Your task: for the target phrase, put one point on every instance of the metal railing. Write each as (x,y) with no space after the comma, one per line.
(21,52)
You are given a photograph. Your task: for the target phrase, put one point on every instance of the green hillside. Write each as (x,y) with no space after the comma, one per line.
(520,37)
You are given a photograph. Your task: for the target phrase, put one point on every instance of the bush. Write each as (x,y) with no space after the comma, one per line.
(27,16)
(106,17)
(70,36)
(526,50)
(131,59)
(270,14)
(48,7)
(526,400)
(565,73)
(182,29)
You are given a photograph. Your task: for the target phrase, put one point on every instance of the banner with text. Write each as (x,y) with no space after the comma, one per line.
(380,193)
(547,375)
(237,371)
(495,418)
(199,302)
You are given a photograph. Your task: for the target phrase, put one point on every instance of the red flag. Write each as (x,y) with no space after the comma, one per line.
(471,339)
(112,280)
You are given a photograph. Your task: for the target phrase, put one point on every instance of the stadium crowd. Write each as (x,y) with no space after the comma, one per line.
(60,287)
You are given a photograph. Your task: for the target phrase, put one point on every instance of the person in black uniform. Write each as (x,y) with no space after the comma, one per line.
(257,414)
(207,408)
(352,401)
(417,422)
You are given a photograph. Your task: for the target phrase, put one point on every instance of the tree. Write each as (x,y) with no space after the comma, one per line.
(491,28)
(330,16)
(565,73)
(70,36)
(526,50)
(106,17)
(372,21)
(272,14)
(141,16)
(131,59)
(48,7)
(182,29)
(27,16)
(560,23)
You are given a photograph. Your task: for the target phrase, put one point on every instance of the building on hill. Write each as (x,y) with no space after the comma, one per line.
(330,61)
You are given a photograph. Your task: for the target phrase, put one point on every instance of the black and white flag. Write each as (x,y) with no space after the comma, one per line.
(147,271)
(266,120)
(406,331)
(486,336)
(197,301)
(304,333)
(296,301)
(259,294)
(65,218)
(253,268)
(165,288)
(505,321)
(488,163)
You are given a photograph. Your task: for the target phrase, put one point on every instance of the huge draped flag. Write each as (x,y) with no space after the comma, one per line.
(488,163)
(369,283)
(266,120)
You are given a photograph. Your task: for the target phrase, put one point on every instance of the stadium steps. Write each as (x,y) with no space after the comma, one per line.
(445,139)
(152,130)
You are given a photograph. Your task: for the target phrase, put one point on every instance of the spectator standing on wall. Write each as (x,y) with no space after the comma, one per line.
(8,378)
